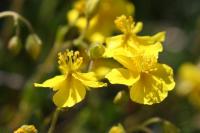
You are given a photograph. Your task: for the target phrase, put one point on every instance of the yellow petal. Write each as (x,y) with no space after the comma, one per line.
(138,60)
(122,76)
(164,74)
(56,82)
(152,50)
(149,40)
(70,95)
(88,79)
(138,27)
(147,91)
(103,66)
(159,37)
(127,62)
(146,45)
(112,43)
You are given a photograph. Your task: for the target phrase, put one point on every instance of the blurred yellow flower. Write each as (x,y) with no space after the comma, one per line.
(102,66)
(71,86)
(26,129)
(130,40)
(189,82)
(149,81)
(101,24)
(117,129)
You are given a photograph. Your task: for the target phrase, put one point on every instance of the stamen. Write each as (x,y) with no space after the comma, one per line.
(69,61)
(127,25)
(144,62)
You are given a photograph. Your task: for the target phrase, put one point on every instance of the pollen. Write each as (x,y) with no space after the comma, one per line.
(144,63)
(69,61)
(125,24)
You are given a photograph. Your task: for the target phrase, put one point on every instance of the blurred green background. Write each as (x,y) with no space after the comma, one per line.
(179,18)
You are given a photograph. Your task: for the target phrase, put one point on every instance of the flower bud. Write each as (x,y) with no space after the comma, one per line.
(119,98)
(168,127)
(91,8)
(96,51)
(33,45)
(14,45)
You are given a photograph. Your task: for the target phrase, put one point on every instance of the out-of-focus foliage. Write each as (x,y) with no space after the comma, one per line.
(101,24)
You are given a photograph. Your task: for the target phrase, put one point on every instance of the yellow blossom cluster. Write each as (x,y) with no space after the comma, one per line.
(101,24)
(148,80)
(137,56)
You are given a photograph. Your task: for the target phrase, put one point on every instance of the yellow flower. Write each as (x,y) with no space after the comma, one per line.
(189,82)
(149,81)
(101,24)
(26,129)
(130,40)
(71,86)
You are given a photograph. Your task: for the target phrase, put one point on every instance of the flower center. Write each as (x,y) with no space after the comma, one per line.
(144,63)
(69,61)
(129,28)
(127,25)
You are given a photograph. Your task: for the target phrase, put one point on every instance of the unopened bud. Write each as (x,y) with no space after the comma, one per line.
(120,97)
(91,8)
(14,45)
(33,45)
(96,51)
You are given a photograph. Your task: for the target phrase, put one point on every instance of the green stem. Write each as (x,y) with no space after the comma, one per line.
(29,92)
(17,17)
(152,121)
(44,67)
(54,120)
(144,127)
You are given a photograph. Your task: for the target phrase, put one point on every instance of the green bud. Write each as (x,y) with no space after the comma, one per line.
(119,98)
(33,45)
(168,127)
(14,45)
(91,7)
(96,51)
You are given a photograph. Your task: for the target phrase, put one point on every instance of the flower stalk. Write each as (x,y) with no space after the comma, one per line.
(54,120)
(17,17)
